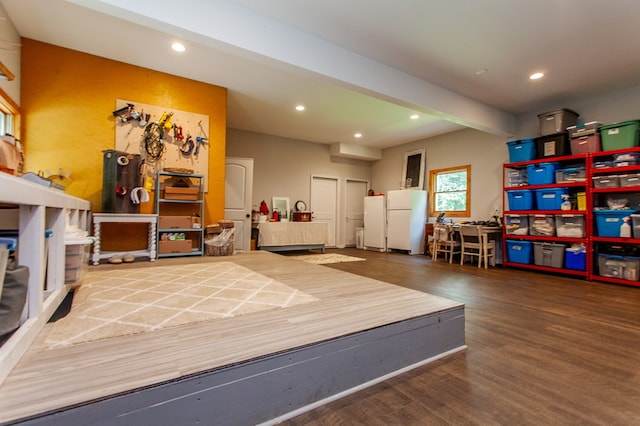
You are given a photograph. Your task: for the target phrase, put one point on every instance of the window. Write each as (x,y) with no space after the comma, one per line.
(9,116)
(450,191)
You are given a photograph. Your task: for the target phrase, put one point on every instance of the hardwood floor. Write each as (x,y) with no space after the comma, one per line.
(542,349)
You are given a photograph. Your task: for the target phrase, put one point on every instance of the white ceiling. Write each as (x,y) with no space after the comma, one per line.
(362,65)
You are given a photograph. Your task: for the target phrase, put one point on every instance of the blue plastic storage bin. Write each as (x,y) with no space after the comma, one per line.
(575,259)
(522,150)
(520,199)
(542,173)
(608,222)
(550,199)
(519,251)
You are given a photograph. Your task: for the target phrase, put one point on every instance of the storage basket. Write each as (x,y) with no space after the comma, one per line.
(585,144)
(570,225)
(522,150)
(520,199)
(571,174)
(620,135)
(557,121)
(548,254)
(542,225)
(519,251)
(608,181)
(608,222)
(542,173)
(623,267)
(550,199)
(517,177)
(553,145)
(516,224)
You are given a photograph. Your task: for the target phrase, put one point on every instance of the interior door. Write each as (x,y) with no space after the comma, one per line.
(237,198)
(324,204)
(356,190)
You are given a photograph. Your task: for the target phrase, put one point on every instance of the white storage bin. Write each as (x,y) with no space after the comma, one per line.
(570,225)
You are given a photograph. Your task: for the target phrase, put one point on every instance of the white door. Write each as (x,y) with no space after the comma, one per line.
(324,204)
(238,192)
(354,208)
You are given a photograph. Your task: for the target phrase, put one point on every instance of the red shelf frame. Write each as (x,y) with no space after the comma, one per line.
(590,238)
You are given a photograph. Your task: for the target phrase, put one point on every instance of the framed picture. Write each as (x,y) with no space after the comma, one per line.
(282,205)
(413,169)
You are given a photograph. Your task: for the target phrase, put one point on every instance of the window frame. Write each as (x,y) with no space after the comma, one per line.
(11,114)
(432,192)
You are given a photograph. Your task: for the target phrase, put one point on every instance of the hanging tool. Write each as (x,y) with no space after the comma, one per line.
(199,141)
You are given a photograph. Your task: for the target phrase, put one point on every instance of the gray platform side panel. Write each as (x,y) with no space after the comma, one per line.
(262,389)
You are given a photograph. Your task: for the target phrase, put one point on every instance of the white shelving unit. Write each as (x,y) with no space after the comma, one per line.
(39,208)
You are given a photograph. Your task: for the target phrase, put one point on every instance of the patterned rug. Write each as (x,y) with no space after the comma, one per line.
(325,258)
(112,303)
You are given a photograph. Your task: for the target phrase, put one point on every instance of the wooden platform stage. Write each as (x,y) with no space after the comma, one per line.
(249,369)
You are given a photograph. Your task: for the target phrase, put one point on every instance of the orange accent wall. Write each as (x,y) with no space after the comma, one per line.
(67,103)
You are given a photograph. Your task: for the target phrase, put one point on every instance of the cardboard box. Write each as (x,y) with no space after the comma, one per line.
(175,246)
(177,193)
(174,222)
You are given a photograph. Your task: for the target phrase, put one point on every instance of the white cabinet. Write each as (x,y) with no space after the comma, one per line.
(39,209)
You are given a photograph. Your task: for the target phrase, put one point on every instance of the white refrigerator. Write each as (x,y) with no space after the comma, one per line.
(406,218)
(375,223)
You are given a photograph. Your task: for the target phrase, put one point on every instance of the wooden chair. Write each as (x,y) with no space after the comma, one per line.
(476,243)
(444,242)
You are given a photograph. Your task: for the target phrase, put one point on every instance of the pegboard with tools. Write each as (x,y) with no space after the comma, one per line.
(166,138)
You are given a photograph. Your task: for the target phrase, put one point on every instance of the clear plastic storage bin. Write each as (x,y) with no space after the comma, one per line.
(542,225)
(623,267)
(570,225)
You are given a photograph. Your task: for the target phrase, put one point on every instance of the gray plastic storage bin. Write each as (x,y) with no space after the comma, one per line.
(557,121)
(548,254)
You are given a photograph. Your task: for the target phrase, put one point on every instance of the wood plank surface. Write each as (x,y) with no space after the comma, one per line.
(45,380)
(542,350)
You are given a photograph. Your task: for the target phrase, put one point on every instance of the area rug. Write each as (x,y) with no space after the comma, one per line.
(112,303)
(326,258)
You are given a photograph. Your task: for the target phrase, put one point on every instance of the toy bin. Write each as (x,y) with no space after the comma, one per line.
(550,198)
(517,177)
(570,225)
(553,145)
(76,259)
(516,224)
(520,199)
(631,179)
(542,173)
(610,181)
(614,266)
(571,174)
(627,159)
(542,225)
(620,135)
(519,251)
(635,223)
(608,222)
(585,144)
(521,150)
(575,258)
(586,129)
(557,121)
(548,254)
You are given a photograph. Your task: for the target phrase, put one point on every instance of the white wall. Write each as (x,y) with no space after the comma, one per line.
(283,167)
(485,153)
(10,56)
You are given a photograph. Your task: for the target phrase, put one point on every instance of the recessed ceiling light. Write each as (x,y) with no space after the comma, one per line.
(178,47)
(414,116)
(300,108)
(357,135)
(482,71)
(536,76)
